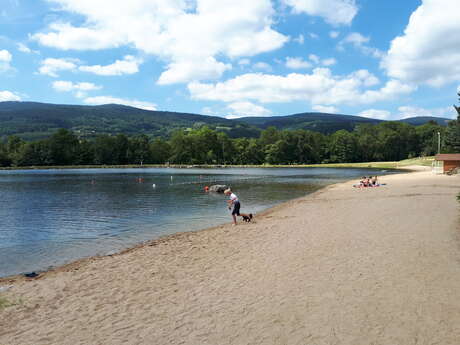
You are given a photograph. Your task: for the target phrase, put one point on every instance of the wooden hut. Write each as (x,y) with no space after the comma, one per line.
(447,161)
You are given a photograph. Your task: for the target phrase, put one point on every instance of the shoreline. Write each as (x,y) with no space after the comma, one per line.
(312,270)
(79,263)
(76,264)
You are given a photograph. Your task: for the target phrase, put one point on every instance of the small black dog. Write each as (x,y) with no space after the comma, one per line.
(247,218)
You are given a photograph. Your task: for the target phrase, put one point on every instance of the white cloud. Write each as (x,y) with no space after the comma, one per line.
(5,59)
(245,108)
(51,66)
(181,72)
(313,35)
(297,63)
(334,12)
(244,62)
(6,95)
(411,111)
(129,65)
(376,114)
(263,66)
(329,62)
(334,34)
(170,30)
(325,109)
(68,86)
(428,51)
(23,48)
(98,100)
(299,39)
(360,42)
(314,58)
(319,87)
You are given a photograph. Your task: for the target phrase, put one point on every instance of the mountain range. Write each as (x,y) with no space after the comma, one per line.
(33,121)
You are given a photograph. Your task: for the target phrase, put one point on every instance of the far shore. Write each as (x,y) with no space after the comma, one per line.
(343,265)
(400,165)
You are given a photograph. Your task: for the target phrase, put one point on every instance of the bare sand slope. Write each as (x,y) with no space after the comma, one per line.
(342,266)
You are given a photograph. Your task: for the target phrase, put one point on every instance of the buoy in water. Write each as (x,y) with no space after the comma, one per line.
(154,185)
(206,188)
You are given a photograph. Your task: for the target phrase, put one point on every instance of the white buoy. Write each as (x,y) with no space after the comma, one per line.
(154,185)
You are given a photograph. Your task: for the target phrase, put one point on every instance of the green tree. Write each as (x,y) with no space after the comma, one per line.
(343,147)
(160,151)
(4,158)
(453,133)
(14,147)
(64,147)
(139,148)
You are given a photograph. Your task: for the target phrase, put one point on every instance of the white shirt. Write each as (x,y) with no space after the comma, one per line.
(233,197)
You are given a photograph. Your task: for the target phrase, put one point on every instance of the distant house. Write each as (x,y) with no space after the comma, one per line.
(446,162)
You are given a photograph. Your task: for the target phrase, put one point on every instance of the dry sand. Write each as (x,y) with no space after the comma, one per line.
(341,266)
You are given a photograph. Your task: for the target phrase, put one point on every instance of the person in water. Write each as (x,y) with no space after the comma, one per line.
(234,203)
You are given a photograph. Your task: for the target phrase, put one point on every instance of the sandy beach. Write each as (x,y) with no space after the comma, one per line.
(340,266)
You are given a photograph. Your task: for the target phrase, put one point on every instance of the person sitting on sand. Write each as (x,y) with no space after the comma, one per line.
(235,203)
(374,181)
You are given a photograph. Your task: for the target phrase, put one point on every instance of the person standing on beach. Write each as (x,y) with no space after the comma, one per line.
(234,203)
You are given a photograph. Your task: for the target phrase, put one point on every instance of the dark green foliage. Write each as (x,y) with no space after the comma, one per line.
(453,133)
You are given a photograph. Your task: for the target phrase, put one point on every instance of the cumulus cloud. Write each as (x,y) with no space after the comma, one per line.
(170,30)
(335,12)
(334,34)
(411,111)
(51,66)
(325,109)
(98,100)
(68,86)
(129,65)
(376,114)
(5,59)
(360,42)
(319,87)
(299,39)
(25,49)
(6,95)
(297,63)
(240,109)
(428,51)
(263,66)
(181,72)
(329,62)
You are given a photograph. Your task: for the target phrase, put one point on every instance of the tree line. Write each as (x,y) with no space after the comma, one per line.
(387,141)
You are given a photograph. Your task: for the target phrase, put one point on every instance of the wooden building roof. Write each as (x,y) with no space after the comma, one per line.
(447,157)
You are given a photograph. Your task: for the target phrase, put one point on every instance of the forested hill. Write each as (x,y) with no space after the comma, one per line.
(328,123)
(318,122)
(33,121)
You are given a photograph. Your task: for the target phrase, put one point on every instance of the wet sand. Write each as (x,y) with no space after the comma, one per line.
(340,266)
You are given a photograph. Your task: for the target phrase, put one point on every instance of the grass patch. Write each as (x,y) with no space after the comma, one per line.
(424,161)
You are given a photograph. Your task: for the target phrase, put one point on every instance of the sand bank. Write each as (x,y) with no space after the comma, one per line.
(341,266)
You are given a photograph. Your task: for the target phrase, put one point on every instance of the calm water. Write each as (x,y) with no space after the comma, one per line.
(51,217)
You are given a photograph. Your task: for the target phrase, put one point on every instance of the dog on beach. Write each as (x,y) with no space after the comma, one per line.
(247,218)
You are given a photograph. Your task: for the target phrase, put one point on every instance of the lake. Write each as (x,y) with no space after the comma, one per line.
(52,217)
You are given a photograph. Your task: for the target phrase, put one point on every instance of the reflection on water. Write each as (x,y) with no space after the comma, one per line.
(50,217)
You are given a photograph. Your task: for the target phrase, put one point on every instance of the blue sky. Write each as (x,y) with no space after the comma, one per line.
(383,59)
